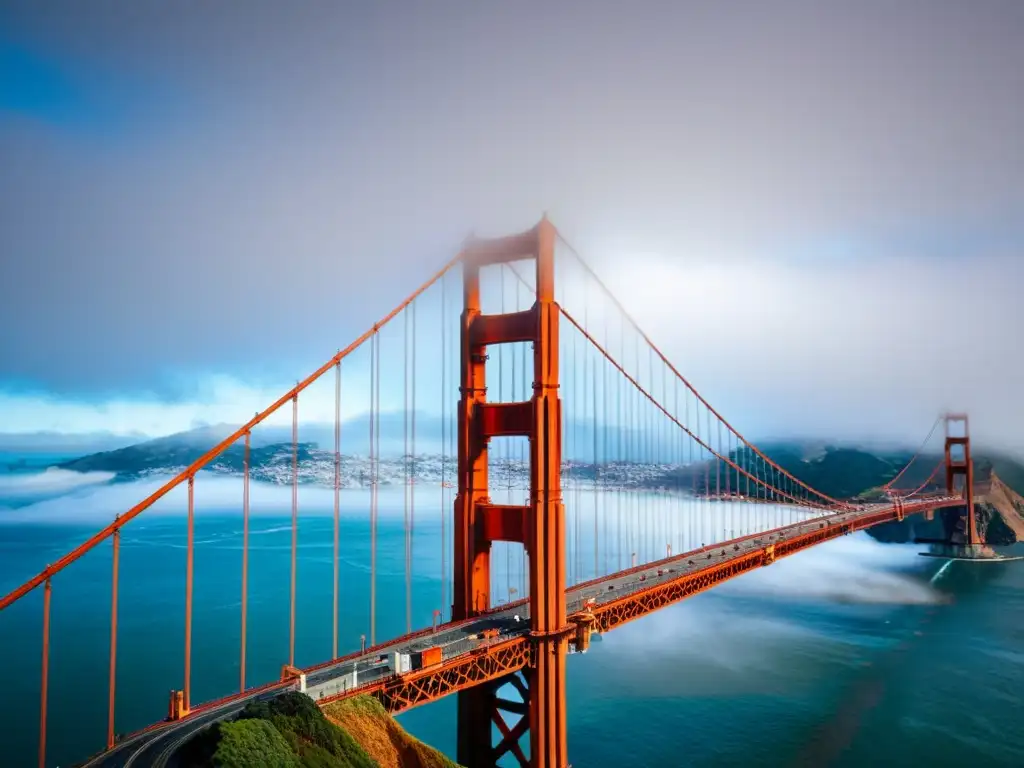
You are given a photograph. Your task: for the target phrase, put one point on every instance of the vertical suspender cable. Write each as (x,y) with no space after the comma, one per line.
(412,461)
(405,473)
(374,352)
(444,448)
(374,476)
(112,684)
(645,448)
(604,445)
(573,447)
(638,461)
(652,553)
(707,485)
(661,454)
(580,413)
(643,435)
(523,582)
(619,479)
(685,446)
(691,516)
(718,462)
(246,457)
(707,466)
(376,487)
(666,520)
(45,682)
(597,470)
(736,448)
(295,524)
(188,593)
(751,473)
(634,502)
(727,470)
(718,473)
(335,587)
(698,474)
(759,486)
(632,524)
(677,460)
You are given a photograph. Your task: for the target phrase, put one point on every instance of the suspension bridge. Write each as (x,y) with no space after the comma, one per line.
(572,453)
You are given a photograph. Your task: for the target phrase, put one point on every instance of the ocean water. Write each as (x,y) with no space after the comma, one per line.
(854,653)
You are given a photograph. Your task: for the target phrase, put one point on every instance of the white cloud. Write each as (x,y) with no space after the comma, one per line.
(52,480)
(220,399)
(213,494)
(868,350)
(849,569)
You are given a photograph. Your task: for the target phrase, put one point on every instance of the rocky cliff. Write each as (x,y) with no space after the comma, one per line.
(1002,504)
(998,509)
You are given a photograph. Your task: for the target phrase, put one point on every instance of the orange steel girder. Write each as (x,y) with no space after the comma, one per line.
(957,466)
(539,526)
(644,601)
(487,665)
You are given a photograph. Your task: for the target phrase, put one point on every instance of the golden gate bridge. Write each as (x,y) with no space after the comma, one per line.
(567,353)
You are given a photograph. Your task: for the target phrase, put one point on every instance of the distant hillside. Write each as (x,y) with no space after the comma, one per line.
(852,473)
(580,440)
(271,455)
(842,473)
(177,451)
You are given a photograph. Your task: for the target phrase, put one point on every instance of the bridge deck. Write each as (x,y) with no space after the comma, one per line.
(468,659)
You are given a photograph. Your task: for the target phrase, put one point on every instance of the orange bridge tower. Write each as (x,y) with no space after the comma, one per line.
(539,525)
(960,478)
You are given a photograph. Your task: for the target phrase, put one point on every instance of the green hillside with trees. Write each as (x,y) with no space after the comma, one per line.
(290,731)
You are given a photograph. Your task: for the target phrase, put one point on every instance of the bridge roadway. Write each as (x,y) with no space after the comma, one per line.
(155,746)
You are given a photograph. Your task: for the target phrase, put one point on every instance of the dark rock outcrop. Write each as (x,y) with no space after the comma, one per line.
(998,510)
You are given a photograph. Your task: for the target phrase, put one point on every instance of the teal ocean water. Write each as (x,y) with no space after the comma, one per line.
(854,653)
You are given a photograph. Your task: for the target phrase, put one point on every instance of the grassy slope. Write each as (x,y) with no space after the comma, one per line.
(290,731)
(383,738)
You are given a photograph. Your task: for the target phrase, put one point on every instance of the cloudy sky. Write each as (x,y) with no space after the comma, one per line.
(199,204)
